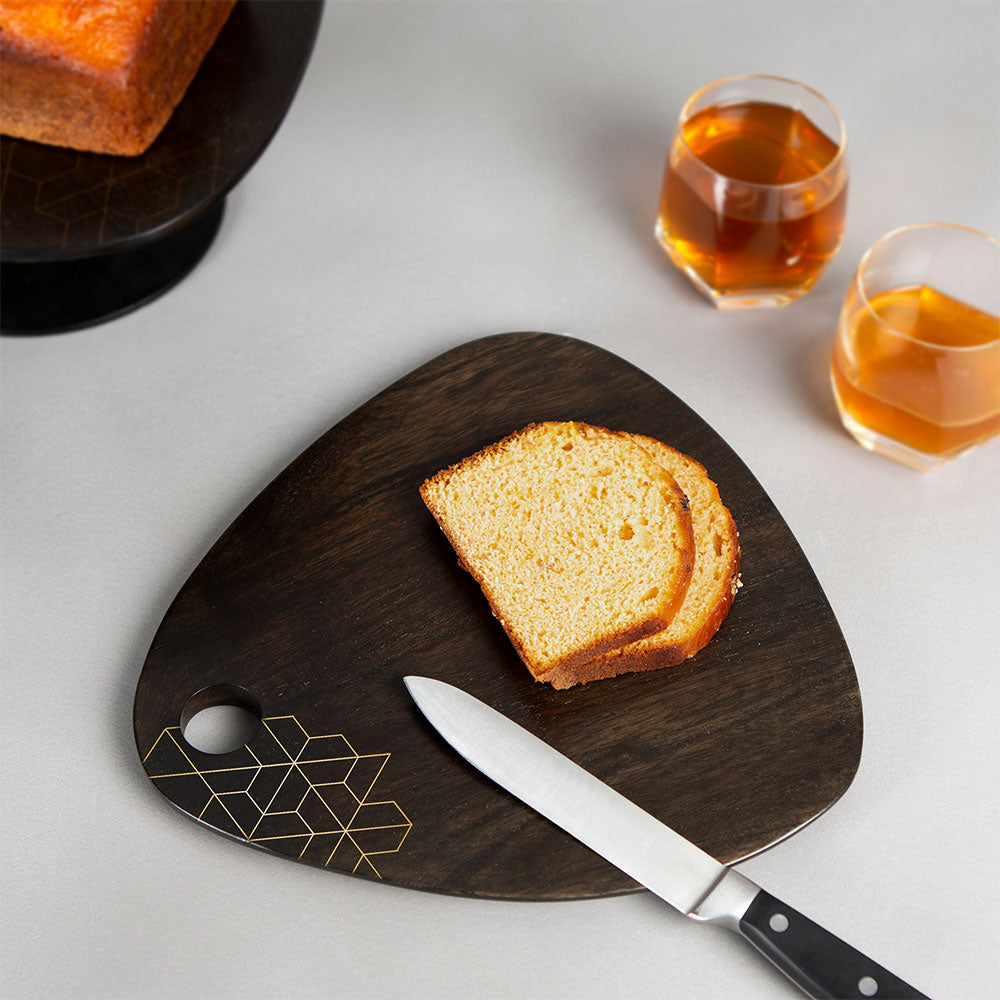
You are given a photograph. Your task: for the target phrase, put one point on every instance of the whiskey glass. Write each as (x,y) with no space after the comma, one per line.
(916,360)
(754,191)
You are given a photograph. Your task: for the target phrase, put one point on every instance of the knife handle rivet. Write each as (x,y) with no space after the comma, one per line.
(867,986)
(778,922)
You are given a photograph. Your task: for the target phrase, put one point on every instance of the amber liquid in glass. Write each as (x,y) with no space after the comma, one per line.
(748,237)
(936,389)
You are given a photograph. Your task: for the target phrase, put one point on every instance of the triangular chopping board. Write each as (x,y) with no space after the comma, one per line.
(336,582)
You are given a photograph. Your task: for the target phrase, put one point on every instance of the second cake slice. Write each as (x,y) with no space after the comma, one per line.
(714,581)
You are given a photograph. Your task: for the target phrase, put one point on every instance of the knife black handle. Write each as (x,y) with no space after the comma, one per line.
(818,962)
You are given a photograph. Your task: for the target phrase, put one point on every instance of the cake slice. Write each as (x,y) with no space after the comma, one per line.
(581,542)
(714,581)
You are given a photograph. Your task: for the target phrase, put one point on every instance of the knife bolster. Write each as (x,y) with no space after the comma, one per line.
(726,901)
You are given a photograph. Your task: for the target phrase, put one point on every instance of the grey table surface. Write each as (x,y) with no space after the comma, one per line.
(449,171)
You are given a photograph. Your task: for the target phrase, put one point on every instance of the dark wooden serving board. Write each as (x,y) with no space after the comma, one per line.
(336,582)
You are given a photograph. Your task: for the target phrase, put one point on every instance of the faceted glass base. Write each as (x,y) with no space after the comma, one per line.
(744,298)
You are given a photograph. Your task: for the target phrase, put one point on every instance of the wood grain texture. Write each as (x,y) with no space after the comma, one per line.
(336,582)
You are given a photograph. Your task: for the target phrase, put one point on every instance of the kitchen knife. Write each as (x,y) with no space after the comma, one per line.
(649,851)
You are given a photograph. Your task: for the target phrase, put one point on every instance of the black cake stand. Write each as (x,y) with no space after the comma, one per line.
(87,237)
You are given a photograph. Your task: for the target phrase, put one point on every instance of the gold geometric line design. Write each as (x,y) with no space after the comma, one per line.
(170,732)
(384,826)
(281,718)
(312,802)
(218,770)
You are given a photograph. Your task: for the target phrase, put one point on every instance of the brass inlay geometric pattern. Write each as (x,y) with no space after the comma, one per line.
(301,795)
(79,200)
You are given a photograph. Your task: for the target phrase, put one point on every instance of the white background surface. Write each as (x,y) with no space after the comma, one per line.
(449,171)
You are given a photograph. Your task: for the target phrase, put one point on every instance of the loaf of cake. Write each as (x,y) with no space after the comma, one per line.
(714,581)
(100,75)
(580,541)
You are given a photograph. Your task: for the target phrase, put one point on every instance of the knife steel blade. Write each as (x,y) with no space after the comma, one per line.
(659,858)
